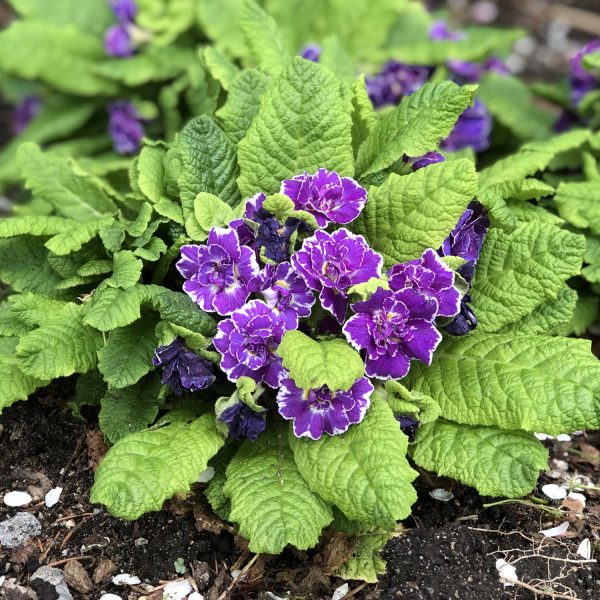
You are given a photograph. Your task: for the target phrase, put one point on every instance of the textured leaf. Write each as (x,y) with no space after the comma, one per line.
(151,172)
(535,383)
(76,235)
(313,363)
(495,462)
(520,270)
(366,564)
(61,346)
(36,225)
(410,213)
(269,499)
(579,204)
(111,308)
(127,270)
(364,117)
(303,123)
(208,163)
(364,471)
(243,101)
(209,212)
(220,67)
(33,309)
(165,19)
(146,468)
(415,127)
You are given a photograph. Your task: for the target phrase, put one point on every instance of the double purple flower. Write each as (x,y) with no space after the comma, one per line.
(118,39)
(125,127)
(331,263)
(473,129)
(396,80)
(217,274)
(243,422)
(321,410)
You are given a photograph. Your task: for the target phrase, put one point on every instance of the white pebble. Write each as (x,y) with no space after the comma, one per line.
(441,494)
(3,578)
(236,573)
(508,574)
(585,549)
(110,597)
(53,496)
(125,579)
(561,465)
(563,437)
(542,436)
(556,531)
(340,592)
(555,492)
(195,596)
(17,499)
(176,590)
(578,496)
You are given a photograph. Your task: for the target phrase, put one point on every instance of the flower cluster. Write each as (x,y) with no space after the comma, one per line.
(264,276)
(125,127)
(121,40)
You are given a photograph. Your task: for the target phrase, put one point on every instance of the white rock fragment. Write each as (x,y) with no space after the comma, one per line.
(56,578)
(206,475)
(556,531)
(14,532)
(577,496)
(235,573)
(110,597)
(585,549)
(272,596)
(53,496)
(561,465)
(563,437)
(14,499)
(554,492)
(195,596)
(441,494)
(507,573)
(126,579)
(340,592)
(2,579)
(177,590)
(543,436)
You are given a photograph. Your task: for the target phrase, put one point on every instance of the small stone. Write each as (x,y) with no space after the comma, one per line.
(556,531)
(585,549)
(140,542)
(563,437)
(441,494)
(126,579)
(14,499)
(177,590)
(104,571)
(77,577)
(507,573)
(554,492)
(14,532)
(195,596)
(53,496)
(340,592)
(55,578)
(110,597)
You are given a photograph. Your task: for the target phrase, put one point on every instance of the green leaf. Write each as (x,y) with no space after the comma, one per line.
(129,410)
(111,308)
(282,207)
(151,172)
(208,163)
(303,123)
(16,385)
(364,471)
(535,383)
(405,402)
(127,270)
(262,37)
(56,180)
(270,500)
(10,324)
(209,212)
(334,56)
(495,462)
(76,235)
(146,468)
(364,117)
(366,564)
(214,493)
(89,391)
(127,355)
(415,127)
(221,68)
(142,221)
(410,213)
(36,225)
(242,104)
(165,19)
(518,271)
(33,309)
(313,363)
(579,204)
(61,346)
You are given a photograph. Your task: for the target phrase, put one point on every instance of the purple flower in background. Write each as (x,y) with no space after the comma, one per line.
(322,410)
(247,342)
(311,52)
(496,65)
(118,42)
(471,72)
(394,81)
(581,80)
(24,112)
(243,422)
(125,127)
(326,196)
(217,274)
(330,263)
(439,32)
(418,162)
(393,328)
(408,426)
(286,293)
(566,121)
(472,129)
(182,369)
(430,277)
(124,10)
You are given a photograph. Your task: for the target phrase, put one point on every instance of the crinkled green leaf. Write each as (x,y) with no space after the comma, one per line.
(76,235)
(165,19)
(364,471)
(303,123)
(151,172)
(364,117)
(518,271)
(579,204)
(209,212)
(127,270)
(494,461)
(220,66)
(583,316)
(36,225)
(366,564)
(111,308)
(410,213)
(415,127)
(34,309)
(89,391)
(269,498)
(146,468)
(10,323)
(313,363)
(535,383)
(405,402)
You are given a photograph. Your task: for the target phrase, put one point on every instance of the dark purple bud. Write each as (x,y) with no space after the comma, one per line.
(182,369)
(465,321)
(408,425)
(473,129)
(464,71)
(394,81)
(311,52)
(581,80)
(125,127)
(566,121)
(118,42)
(25,112)
(243,422)
(275,236)
(418,162)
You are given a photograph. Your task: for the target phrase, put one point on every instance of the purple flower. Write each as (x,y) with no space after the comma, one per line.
(430,277)
(408,426)
(580,79)
(465,321)
(393,328)
(286,293)
(471,72)
(566,121)
(243,422)
(311,52)
(439,32)
(124,10)
(218,273)
(322,410)
(274,236)
(472,129)
(394,81)
(330,263)
(246,234)
(118,42)
(182,369)
(327,196)
(125,127)
(247,342)
(24,112)
(496,65)
(418,162)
